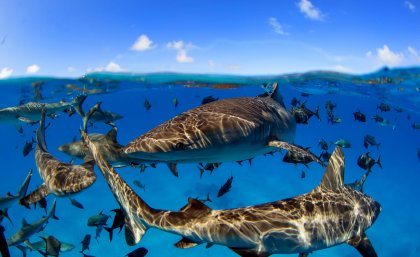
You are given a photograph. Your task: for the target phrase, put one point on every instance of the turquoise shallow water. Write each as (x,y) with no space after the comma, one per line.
(395,233)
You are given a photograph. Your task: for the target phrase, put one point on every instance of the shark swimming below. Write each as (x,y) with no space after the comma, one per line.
(61,179)
(227,130)
(330,214)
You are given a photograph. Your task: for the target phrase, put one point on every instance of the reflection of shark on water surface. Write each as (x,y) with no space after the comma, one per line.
(331,214)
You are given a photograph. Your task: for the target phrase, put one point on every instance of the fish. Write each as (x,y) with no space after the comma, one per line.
(383,107)
(4,248)
(75,203)
(208,167)
(383,122)
(43,204)
(366,162)
(329,107)
(28,147)
(139,185)
(325,156)
(98,231)
(139,252)
(102,116)
(109,147)
(415,125)
(226,130)
(147,104)
(359,116)
(294,101)
(118,222)
(296,158)
(6,202)
(52,246)
(59,178)
(334,119)
(98,220)
(329,215)
(85,243)
(323,144)
(175,102)
(30,112)
(41,245)
(208,99)
(370,140)
(225,188)
(28,230)
(303,114)
(343,143)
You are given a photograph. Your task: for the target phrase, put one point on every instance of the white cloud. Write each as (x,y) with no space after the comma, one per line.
(234,67)
(341,68)
(142,43)
(181,48)
(410,6)
(369,54)
(276,26)
(310,11)
(5,73)
(111,67)
(32,69)
(387,57)
(414,53)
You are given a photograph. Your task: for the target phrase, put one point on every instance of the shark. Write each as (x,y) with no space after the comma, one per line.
(331,214)
(29,229)
(30,112)
(232,129)
(60,178)
(7,201)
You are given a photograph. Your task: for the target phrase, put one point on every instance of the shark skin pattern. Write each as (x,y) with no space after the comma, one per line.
(331,214)
(60,179)
(226,130)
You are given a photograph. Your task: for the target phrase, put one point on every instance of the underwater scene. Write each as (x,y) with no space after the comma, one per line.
(176,164)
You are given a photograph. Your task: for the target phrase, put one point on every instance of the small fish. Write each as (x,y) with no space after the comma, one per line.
(383,122)
(303,114)
(398,109)
(140,252)
(226,187)
(208,167)
(303,174)
(75,203)
(296,158)
(343,143)
(175,102)
(118,222)
(208,99)
(359,116)
(147,104)
(294,101)
(323,144)
(140,185)
(366,162)
(329,106)
(52,246)
(325,156)
(98,220)
(334,119)
(383,107)
(415,125)
(370,140)
(28,147)
(85,243)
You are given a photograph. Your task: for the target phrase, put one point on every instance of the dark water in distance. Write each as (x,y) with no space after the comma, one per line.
(395,233)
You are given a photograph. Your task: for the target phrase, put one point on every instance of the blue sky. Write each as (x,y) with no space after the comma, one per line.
(69,38)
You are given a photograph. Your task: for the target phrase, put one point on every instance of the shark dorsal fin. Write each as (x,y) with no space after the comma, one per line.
(334,173)
(24,223)
(112,134)
(276,95)
(89,164)
(195,206)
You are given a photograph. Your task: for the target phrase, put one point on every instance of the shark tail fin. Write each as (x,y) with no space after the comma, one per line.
(51,213)
(138,215)
(77,104)
(378,161)
(334,173)
(110,232)
(24,187)
(40,132)
(86,118)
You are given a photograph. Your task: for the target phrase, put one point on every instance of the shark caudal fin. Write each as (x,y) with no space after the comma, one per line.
(86,118)
(24,187)
(77,104)
(136,212)
(40,132)
(334,173)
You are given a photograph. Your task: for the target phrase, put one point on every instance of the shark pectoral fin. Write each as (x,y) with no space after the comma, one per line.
(185,243)
(172,167)
(35,196)
(195,207)
(363,246)
(133,231)
(295,148)
(249,252)
(6,215)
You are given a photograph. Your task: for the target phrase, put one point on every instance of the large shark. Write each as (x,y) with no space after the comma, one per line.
(30,112)
(232,129)
(331,214)
(7,201)
(28,230)
(59,178)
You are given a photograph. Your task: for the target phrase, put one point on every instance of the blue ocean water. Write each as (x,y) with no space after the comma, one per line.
(395,233)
